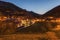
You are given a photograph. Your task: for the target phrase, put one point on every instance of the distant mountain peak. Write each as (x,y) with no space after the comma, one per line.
(58,6)
(3,2)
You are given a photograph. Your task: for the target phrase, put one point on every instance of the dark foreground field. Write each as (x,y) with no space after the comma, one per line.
(46,36)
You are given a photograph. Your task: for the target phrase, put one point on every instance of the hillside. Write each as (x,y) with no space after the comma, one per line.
(55,12)
(9,9)
(38,27)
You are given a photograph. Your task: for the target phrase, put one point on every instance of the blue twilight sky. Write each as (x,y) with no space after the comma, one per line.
(38,6)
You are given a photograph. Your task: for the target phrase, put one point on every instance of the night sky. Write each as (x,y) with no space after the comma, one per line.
(38,6)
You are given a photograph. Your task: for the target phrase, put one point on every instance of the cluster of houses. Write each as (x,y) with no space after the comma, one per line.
(20,21)
(27,22)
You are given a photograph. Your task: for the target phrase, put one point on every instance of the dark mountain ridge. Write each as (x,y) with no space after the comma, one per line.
(55,12)
(10,9)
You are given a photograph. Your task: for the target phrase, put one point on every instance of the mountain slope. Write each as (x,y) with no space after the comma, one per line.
(10,9)
(55,12)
